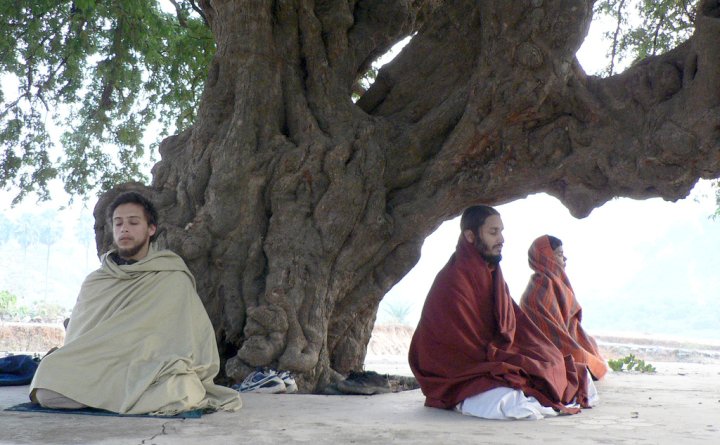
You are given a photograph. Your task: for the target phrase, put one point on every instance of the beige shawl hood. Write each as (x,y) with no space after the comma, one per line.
(139,341)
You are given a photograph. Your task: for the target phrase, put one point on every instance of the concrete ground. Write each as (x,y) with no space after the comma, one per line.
(680,404)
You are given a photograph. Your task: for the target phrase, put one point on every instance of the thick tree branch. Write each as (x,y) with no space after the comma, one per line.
(377,26)
(592,139)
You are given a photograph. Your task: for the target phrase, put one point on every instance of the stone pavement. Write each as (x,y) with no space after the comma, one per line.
(680,404)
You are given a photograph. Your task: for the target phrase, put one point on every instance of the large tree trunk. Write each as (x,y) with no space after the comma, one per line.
(297,209)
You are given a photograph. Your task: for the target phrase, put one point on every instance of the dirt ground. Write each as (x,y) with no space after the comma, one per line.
(679,404)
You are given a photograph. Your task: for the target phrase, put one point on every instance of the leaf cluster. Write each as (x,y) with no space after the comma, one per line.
(7,300)
(644,28)
(630,363)
(100,73)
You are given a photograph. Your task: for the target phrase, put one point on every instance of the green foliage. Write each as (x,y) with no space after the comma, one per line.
(112,68)
(645,27)
(630,363)
(10,309)
(7,301)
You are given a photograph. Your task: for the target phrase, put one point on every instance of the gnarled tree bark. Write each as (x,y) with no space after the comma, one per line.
(297,209)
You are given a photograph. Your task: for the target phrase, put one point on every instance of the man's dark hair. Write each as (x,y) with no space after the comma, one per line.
(151,214)
(474,217)
(554,242)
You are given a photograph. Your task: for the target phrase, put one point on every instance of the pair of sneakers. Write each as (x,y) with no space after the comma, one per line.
(269,381)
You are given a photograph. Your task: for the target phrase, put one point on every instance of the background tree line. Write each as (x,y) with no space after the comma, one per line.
(36,246)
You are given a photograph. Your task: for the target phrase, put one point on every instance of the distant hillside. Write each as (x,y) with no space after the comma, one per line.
(394,340)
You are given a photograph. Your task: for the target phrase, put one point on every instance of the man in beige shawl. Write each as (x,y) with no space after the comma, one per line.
(139,340)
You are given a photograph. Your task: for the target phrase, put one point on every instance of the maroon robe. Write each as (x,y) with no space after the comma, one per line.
(472,337)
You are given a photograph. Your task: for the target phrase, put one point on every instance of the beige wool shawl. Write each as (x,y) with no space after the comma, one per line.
(139,341)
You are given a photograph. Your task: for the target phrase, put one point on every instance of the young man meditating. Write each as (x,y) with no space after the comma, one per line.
(139,340)
(475,351)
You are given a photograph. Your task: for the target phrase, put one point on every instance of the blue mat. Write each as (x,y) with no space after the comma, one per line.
(34,407)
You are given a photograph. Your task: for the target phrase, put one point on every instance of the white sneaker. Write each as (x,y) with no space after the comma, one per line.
(261,382)
(288,380)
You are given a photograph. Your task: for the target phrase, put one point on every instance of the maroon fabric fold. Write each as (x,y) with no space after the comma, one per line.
(472,337)
(549,301)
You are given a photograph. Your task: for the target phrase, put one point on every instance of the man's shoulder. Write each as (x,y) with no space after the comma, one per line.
(165,259)
(461,279)
(162,254)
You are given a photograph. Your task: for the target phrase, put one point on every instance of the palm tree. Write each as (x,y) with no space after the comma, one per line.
(398,312)
(6,229)
(26,233)
(85,232)
(50,231)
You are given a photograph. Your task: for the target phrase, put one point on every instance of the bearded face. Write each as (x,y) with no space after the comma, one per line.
(486,252)
(489,240)
(131,231)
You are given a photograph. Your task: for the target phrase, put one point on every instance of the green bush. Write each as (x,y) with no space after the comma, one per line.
(630,363)
(7,301)
(397,312)
(10,309)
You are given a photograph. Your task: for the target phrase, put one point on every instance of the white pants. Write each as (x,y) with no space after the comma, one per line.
(51,399)
(511,404)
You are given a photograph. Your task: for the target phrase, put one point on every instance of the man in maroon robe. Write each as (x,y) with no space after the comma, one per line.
(473,338)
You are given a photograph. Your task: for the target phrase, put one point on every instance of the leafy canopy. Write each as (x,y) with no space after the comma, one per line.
(105,71)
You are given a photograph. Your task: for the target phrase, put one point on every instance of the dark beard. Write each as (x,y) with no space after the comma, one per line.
(484,250)
(132,251)
(492,260)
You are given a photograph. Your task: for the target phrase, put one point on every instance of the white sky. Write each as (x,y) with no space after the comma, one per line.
(649,250)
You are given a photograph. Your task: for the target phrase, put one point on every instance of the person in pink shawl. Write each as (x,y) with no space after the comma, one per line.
(549,301)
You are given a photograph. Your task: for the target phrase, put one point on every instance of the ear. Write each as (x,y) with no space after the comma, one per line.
(152,229)
(469,236)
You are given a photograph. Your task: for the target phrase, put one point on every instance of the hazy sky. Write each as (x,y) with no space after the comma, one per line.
(633,264)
